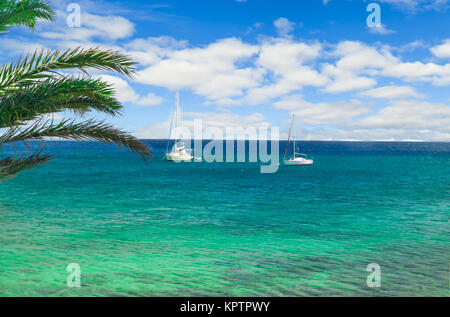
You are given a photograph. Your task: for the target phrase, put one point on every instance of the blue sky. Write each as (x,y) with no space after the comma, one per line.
(255,63)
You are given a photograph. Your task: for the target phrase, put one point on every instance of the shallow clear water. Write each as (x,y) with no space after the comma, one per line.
(223,229)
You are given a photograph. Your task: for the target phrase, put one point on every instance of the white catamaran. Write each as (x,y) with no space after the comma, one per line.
(298,158)
(179,153)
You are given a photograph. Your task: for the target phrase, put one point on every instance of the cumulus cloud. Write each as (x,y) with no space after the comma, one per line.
(400,120)
(410,115)
(220,121)
(417,5)
(323,113)
(437,74)
(231,72)
(210,71)
(409,47)
(126,94)
(349,82)
(326,134)
(287,62)
(276,72)
(216,72)
(93,26)
(392,92)
(151,50)
(20,46)
(413,6)
(381,29)
(354,56)
(442,51)
(149,100)
(284,26)
(353,60)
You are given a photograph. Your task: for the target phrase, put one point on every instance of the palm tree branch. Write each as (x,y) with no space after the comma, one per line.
(12,165)
(34,86)
(45,64)
(25,12)
(89,130)
(79,95)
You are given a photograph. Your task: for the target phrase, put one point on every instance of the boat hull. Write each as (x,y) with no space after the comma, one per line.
(179,158)
(298,162)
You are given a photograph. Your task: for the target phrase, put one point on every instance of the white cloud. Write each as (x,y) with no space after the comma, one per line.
(381,29)
(153,49)
(92,26)
(417,71)
(359,65)
(221,120)
(413,6)
(126,94)
(416,5)
(350,134)
(281,55)
(401,120)
(19,46)
(229,119)
(355,56)
(410,115)
(408,47)
(150,100)
(442,51)
(286,61)
(112,27)
(273,72)
(392,92)
(158,130)
(355,59)
(210,71)
(283,65)
(348,82)
(323,113)
(284,26)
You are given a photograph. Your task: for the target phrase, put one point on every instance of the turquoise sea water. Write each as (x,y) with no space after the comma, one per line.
(223,229)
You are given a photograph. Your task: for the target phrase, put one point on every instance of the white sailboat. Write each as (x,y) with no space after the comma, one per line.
(179,153)
(298,158)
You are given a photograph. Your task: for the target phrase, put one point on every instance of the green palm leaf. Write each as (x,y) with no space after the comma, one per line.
(90,130)
(24,12)
(43,65)
(79,95)
(34,87)
(10,166)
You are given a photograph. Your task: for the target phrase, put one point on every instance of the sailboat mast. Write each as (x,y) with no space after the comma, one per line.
(293,131)
(177,110)
(170,133)
(288,140)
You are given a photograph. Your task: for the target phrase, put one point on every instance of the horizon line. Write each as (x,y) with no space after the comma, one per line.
(268,140)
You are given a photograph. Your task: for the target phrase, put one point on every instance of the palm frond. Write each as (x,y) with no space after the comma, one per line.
(10,166)
(45,64)
(79,95)
(34,87)
(90,130)
(24,12)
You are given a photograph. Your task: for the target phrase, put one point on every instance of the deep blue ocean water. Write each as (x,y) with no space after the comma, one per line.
(158,228)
